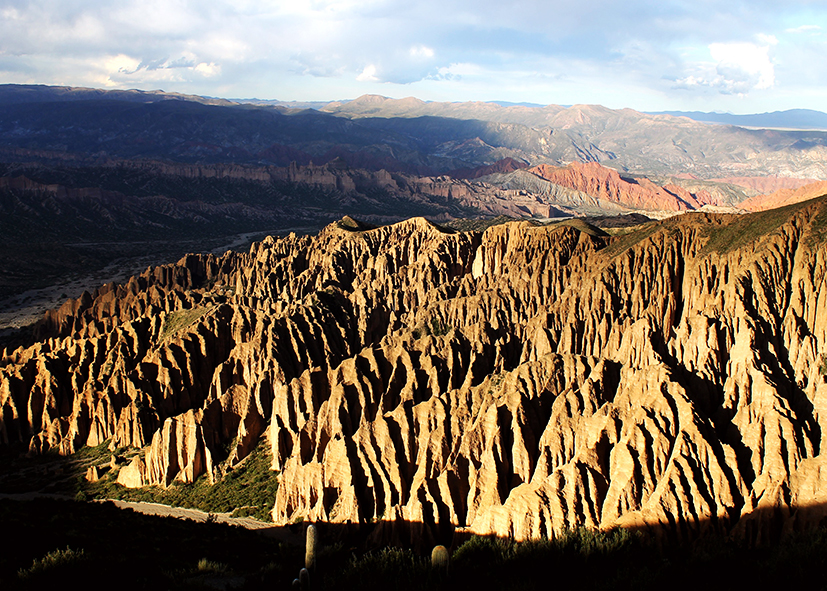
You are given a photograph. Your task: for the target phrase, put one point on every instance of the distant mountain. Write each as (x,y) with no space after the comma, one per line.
(317,105)
(791,119)
(627,140)
(405,135)
(39,93)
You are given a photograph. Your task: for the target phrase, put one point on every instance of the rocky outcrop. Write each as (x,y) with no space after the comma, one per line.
(606,184)
(517,382)
(503,166)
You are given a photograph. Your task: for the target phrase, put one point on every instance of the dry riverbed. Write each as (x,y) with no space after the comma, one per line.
(25,308)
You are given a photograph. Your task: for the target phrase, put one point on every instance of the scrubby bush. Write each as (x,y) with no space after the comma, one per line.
(51,562)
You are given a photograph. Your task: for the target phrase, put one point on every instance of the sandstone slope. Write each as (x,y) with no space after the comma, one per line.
(591,187)
(516,382)
(786,196)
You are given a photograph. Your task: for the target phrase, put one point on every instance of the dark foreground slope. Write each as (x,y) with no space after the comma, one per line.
(97,546)
(517,382)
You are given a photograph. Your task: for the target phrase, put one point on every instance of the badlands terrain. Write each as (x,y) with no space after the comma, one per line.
(519,381)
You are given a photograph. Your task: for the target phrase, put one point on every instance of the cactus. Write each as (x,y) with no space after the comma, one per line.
(304,579)
(296,585)
(440,558)
(310,548)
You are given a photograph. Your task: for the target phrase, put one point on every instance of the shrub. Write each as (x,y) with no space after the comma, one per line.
(210,566)
(57,559)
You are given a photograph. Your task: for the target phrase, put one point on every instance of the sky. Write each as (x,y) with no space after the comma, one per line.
(733,56)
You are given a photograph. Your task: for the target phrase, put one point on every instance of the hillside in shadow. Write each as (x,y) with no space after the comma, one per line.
(97,546)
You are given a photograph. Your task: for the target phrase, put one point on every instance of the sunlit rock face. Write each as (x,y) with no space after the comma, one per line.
(517,382)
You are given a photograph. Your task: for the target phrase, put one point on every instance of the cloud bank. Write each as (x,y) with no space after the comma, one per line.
(638,53)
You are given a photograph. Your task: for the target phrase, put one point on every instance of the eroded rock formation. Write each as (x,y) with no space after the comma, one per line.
(517,381)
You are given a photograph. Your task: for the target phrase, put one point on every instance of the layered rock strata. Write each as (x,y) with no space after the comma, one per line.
(515,382)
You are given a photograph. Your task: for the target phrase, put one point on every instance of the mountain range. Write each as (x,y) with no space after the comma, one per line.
(406,135)
(790,119)
(94,176)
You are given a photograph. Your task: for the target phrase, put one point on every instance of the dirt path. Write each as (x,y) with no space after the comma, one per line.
(281,533)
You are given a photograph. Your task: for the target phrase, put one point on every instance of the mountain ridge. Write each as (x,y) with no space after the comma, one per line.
(417,136)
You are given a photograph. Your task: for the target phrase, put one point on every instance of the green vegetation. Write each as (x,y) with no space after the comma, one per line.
(109,548)
(388,568)
(57,560)
(211,566)
(748,228)
(247,491)
(582,226)
(495,383)
(435,327)
(179,320)
(627,241)
(477,224)
(819,227)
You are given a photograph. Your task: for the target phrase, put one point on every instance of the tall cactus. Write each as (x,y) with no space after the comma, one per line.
(310,548)
(304,579)
(440,559)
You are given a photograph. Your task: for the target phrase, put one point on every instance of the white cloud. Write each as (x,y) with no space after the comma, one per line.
(737,68)
(208,70)
(804,29)
(368,74)
(767,39)
(122,64)
(421,52)
(744,65)
(306,49)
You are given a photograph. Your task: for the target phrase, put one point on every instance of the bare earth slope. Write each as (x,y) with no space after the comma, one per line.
(515,382)
(784,197)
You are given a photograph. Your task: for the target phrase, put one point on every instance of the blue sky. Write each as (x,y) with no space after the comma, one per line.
(736,56)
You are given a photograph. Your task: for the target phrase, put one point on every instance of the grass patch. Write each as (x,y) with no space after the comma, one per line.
(435,328)
(818,231)
(388,568)
(247,491)
(125,550)
(477,224)
(748,228)
(179,320)
(210,566)
(582,226)
(623,243)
